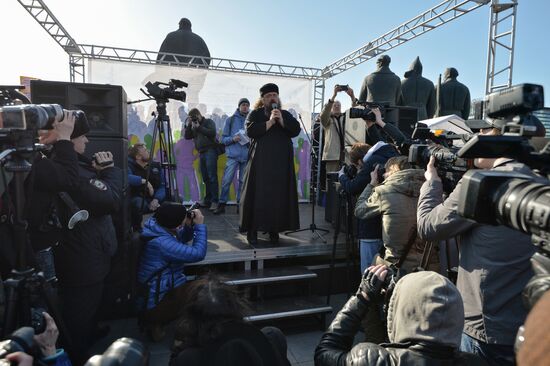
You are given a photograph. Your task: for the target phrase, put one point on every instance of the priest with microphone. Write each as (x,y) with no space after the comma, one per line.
(269,199)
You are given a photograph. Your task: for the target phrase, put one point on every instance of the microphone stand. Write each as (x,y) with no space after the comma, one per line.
(313,188)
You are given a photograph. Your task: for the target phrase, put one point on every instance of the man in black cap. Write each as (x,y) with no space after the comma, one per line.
(184,42)
(269,198)
(236,149)
(83,256)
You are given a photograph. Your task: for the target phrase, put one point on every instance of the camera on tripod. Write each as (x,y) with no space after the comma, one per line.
(366,112)
(169,92)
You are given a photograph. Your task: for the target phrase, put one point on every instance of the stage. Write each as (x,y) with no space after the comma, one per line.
(227,245)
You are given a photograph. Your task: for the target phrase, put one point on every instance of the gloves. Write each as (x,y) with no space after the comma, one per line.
(341,171)
(372,283)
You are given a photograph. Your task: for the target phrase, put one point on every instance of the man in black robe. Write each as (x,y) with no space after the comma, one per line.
(269,199)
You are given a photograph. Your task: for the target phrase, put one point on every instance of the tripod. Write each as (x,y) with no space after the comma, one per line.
(313,196)
(26,286)
(345,206)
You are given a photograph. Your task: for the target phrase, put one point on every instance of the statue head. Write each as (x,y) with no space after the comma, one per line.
(415,68)
(450,73)
(383,60)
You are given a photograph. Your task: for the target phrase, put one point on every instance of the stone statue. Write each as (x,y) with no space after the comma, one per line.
(454,97)
(417,91)
(382,85)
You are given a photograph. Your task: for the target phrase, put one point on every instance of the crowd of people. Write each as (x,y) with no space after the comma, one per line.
(409,312)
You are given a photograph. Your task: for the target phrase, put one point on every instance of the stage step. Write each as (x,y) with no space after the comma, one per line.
(269,275)
(288,307)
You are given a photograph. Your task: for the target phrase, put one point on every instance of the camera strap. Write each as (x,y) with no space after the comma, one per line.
(341,130)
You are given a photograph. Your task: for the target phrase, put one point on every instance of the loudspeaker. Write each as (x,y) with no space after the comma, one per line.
(104,105)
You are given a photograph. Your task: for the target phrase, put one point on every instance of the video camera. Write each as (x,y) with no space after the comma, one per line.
(366,112)
(170,92)
(190,214)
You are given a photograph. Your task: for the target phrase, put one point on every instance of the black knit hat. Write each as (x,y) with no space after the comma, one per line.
(81,126)
(170,214)
(269,88)
(243,100)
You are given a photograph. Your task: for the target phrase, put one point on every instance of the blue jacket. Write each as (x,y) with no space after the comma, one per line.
(234,150)
(165,255)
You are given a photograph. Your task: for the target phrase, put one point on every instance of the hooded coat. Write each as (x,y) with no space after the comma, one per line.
(417,91)
(425,320)
(269,199)
(395,201)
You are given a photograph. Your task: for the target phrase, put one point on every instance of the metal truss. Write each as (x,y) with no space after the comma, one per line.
(152,57)
(318,100)
(42,14)
(502,32)
(425,22)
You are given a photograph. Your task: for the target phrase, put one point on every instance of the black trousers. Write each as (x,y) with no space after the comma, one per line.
(79,308)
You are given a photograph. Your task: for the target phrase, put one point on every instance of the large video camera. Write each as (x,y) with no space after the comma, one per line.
(122,352)
(424,144)
(169,92)
(366,112)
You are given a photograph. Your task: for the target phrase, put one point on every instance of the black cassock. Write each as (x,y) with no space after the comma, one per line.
(269,199)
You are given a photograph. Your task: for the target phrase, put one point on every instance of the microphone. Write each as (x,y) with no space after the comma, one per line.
(274,106)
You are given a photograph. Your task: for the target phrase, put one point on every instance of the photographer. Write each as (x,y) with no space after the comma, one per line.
(334,124)
(395,200)
(160,272)
(145,195)
(83,256)
(494,263)
(425,321)
(203,132)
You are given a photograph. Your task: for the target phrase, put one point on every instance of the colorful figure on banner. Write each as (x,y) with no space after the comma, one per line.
(135,125)
(186,175)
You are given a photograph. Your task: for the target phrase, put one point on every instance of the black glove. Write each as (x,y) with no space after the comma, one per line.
(371,286)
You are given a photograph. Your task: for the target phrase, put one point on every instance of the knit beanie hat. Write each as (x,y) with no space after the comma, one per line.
(170,214)
(243,100)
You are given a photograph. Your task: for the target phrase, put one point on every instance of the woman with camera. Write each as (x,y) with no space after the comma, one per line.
(165,252)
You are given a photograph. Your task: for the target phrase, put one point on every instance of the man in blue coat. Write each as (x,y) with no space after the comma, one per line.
(236,152)
(160,273)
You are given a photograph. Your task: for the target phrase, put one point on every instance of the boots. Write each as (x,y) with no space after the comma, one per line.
(274,237)
(252,237)
(220,209)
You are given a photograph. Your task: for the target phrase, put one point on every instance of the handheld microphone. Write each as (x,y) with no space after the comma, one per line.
(274,106)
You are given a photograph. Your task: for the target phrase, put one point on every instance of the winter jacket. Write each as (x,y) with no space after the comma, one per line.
(136,173)
(417,91)
(204,136)
(234,150)
(395,201)
(425,320)
(494,261)
(164,255)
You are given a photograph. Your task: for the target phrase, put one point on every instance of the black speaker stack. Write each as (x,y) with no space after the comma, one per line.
(106,110)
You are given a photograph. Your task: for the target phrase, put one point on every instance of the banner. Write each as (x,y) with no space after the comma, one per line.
(215,94)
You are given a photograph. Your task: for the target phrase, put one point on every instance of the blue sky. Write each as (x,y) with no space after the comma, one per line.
(308,33)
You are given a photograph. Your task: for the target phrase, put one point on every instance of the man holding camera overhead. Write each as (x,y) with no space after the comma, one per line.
(83,257)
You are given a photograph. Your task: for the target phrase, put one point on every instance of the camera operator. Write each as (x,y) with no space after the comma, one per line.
(494,263)
(334,124)
(395,200)
(203,133)
(82,259)
(425,321)
(160,272)
(145,195)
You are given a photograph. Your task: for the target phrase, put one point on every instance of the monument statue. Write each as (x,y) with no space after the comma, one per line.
(454,97)
(417,91)
(382,85)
